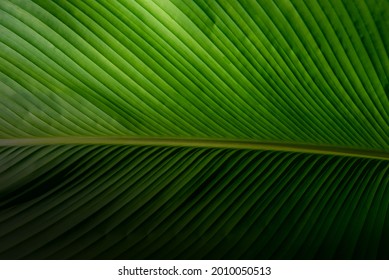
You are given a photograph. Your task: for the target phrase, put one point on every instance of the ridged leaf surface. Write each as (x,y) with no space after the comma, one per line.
(194,129)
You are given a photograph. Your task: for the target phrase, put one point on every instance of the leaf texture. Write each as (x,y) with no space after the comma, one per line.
(312,72)
(254,129)
(104,201)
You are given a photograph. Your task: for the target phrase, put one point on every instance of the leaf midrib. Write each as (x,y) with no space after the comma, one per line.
(202,142)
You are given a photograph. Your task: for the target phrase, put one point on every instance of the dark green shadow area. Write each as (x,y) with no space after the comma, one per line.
(150,202)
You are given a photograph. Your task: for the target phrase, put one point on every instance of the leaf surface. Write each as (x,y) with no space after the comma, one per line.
(194,129)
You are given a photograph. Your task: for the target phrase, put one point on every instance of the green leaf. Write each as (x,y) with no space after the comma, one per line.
(119,201)
(194,129)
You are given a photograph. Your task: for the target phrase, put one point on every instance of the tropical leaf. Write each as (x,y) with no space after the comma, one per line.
(194,129)
(179,202)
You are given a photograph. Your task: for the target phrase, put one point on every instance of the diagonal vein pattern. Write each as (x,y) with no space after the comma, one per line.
(307,72)
(196,129)
(120,201)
